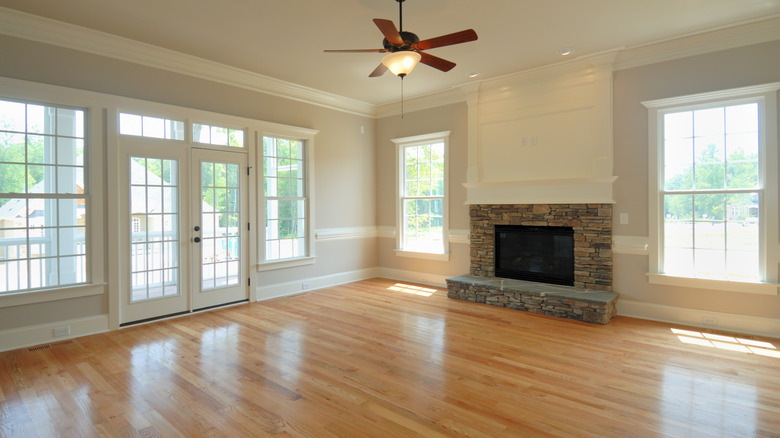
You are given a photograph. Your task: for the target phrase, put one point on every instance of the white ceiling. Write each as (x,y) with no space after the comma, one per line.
(285,39)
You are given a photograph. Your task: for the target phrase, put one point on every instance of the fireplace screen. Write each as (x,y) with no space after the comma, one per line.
(543,254)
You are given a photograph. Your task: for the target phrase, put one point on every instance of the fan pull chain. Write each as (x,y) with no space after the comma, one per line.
(402,96)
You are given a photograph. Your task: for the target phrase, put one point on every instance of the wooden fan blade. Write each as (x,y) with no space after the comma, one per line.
(436,62)
(356,51)
(463,36)
(378,71)
(389,30)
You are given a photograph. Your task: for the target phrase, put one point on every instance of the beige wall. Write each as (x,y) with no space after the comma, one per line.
(752,65)
(344,191)
(452,118)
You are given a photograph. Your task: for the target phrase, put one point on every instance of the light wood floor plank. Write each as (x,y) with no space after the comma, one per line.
(370,359)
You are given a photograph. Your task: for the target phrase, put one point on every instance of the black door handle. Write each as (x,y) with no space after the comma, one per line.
(197,239)
(197,228)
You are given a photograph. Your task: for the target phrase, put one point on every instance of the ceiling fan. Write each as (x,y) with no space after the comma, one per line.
(405,48)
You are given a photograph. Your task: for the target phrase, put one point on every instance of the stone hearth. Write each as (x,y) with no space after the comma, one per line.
(562,301)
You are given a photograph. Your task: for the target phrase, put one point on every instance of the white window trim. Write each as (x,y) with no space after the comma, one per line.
(766,96)
(400,144)
(94,177)
(307,137)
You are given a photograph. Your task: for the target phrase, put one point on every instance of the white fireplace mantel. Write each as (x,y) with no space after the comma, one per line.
(597,190)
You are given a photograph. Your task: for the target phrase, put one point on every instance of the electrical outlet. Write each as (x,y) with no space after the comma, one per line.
(709,320)
(62,331)
(305,285)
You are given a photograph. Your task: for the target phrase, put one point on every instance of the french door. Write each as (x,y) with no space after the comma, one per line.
(181,215)
(220,251)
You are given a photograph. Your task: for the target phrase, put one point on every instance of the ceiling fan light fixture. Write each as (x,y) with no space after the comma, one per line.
(401,63)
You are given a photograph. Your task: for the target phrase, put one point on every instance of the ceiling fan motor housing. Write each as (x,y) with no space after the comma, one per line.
(409,39)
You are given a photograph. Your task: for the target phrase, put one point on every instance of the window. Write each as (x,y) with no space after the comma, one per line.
(217,135)
(422,166)
(285,195)
(43,198)
(152,127)
(713,196)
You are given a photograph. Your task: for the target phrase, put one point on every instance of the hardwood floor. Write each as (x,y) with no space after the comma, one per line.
(374,359)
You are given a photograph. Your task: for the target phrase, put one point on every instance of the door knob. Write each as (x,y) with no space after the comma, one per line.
(197,228)
(197,239)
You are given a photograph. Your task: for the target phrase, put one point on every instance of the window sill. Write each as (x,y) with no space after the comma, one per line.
(720,285)
(423,255)
(45,295)
(282,264)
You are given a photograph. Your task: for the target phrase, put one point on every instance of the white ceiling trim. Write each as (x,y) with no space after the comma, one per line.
(32,27)
(713,40)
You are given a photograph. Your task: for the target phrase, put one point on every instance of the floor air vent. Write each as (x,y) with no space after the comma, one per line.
(45,346)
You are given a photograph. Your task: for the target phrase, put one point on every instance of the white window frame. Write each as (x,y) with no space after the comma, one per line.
(306,136)
(766,98)
(401,144)
(11,89)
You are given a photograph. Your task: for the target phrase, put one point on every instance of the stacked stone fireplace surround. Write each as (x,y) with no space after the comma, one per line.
(590,299)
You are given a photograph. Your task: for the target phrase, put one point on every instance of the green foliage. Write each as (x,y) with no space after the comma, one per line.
(283,170)
(219,183)
(15,150)
(712,171)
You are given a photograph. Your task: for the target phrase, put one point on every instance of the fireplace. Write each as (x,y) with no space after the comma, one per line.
(586,230)
(535,253)
(592,225)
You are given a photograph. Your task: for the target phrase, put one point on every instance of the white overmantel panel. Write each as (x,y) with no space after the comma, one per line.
(543,137)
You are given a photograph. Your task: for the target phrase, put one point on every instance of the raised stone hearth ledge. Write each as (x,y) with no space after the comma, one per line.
(594,306)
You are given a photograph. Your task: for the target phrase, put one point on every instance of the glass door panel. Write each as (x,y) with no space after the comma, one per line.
(219,235)
(154,215)
(220,216)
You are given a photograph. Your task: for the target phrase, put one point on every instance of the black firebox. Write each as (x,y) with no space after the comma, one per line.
(532,253)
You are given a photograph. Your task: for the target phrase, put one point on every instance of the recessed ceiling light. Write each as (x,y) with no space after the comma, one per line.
(565,51)
(473,74)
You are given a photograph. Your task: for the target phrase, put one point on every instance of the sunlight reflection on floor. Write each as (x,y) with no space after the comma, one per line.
(414,290)
(731,343)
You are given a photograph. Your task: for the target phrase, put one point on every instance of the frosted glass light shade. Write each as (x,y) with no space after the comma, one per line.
(401,63)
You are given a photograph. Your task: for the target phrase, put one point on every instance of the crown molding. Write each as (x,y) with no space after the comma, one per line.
(712,40)
(420,103)
(44,30)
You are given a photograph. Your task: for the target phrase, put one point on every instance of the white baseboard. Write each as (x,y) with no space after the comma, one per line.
(44,333)
(693,317)
(297,286)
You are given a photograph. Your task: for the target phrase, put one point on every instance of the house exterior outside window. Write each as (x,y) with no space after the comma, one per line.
(713,190)
(423,195)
